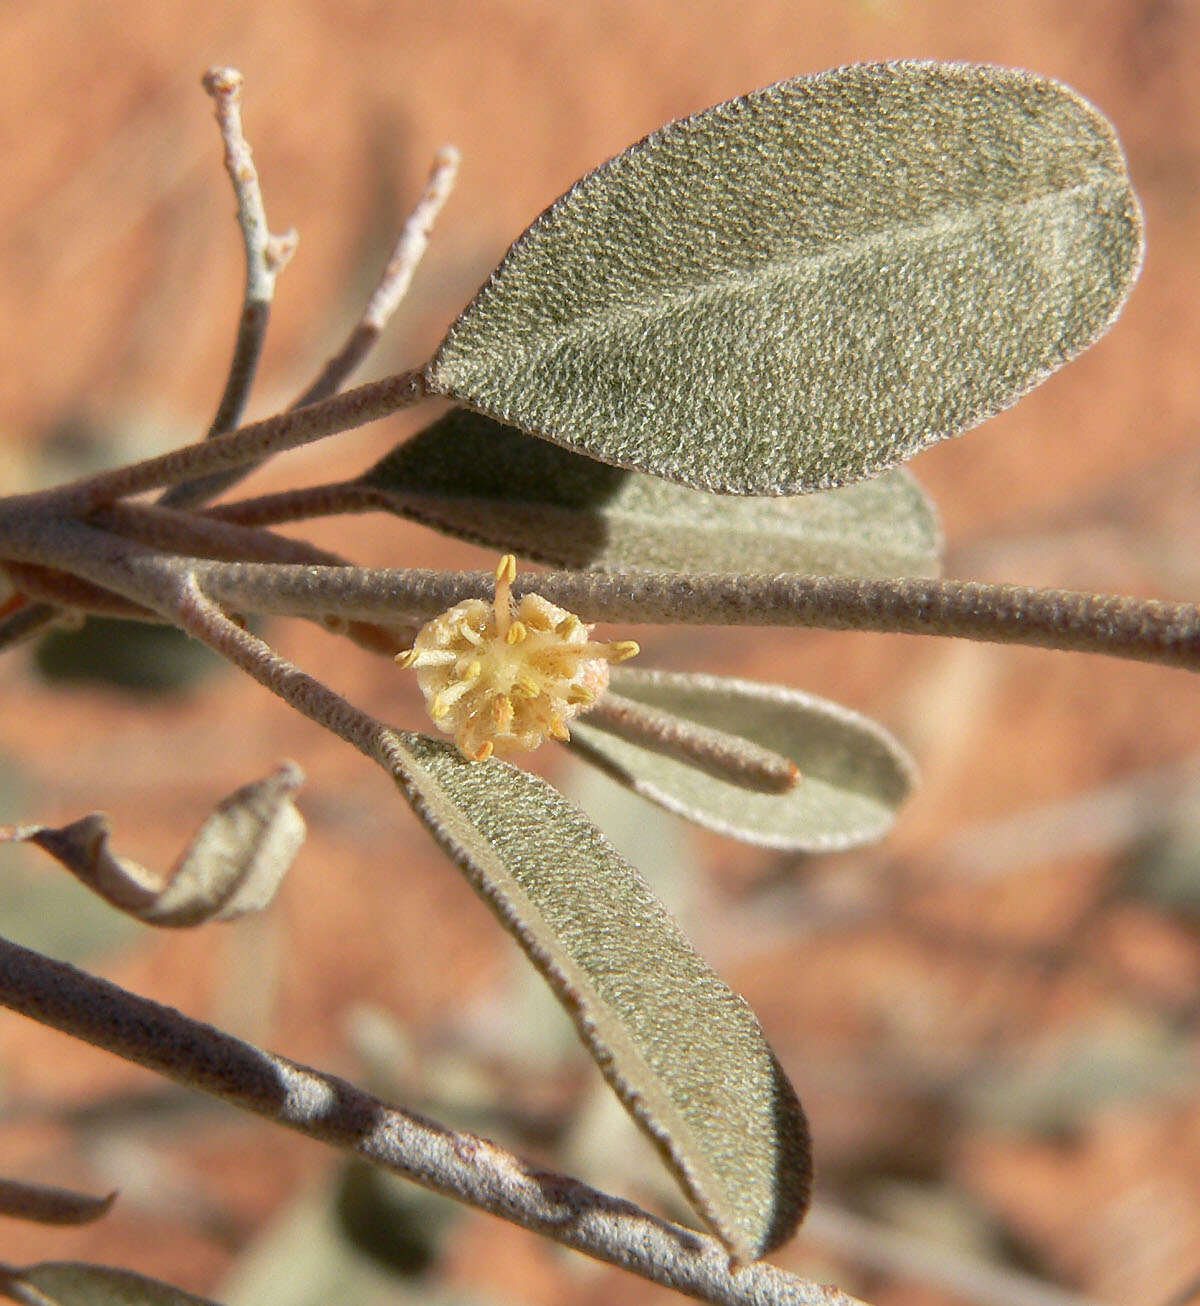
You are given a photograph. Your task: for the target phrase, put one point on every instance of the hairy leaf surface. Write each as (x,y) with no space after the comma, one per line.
(804,286)
(682,1051)
(476,478)
(853,773)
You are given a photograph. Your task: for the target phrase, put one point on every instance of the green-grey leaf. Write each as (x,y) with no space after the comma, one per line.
(853,773)
(476,478)
(807,285)
(682,1051)
(72,1283)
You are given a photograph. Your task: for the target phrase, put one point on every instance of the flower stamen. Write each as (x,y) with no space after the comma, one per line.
(504,676)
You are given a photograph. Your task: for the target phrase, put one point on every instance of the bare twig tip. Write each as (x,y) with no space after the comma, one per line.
(220,81)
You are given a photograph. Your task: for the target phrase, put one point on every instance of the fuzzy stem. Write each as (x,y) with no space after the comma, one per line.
(726,756)
(394,282)
(1145,630)
(248,444)
(190,533)
(385,299)
(330,1110)
(72,595)
(265,257)
(298,505)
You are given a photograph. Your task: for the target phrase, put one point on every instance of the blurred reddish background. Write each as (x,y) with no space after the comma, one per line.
(992,1018)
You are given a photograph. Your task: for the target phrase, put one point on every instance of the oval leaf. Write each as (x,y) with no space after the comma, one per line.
(682,1051)
(853,774)
(480,480)
(46,1205)
(807,285)
(73,1283)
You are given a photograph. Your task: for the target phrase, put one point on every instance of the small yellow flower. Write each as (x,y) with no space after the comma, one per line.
(502,677)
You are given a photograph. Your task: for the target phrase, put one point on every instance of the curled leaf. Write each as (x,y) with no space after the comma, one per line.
(682,1051)
(807,285)
(46,1205)
(483,481)
(853,774)
(234,865)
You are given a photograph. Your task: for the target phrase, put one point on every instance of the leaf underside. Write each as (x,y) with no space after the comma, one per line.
(480,480)
(683,1052)
(854,776)
(804,286)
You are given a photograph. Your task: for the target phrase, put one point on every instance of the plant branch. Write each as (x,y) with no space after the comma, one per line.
(71,594)
(248,444)
(394,282)
(392,286)
(266,257)
(1145,630)
(298,505)
(726,756)
(190,533)
(320,1106)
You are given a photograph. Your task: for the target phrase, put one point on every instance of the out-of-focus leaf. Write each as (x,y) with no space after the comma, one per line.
(129,655)
(804,286)
(853,773)
(72,1283)
(492,484)
(1057,1083)
(1163,864)
(305,1258)
(234,865)
(682,1051)
(389,1219)
(46,1205)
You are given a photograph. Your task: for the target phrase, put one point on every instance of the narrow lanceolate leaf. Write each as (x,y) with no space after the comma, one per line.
(682,1051)
(46,1205)
(853,774)
(73,1283)
(476,478)
(234,865)
(804,286)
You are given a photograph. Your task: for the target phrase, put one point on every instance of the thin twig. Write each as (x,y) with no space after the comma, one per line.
(726,756)
(393,284)
(1144,630)
(191,533)
(265,258)
(301,504)
(71,595)
(320,1106)
(248,444)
